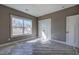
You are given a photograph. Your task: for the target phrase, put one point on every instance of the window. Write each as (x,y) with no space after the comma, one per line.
(27,27)
(21,26)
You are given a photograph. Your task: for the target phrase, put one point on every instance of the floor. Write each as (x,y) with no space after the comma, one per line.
(37,47)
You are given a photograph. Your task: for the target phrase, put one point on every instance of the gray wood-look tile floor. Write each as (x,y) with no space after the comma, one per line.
(36,47)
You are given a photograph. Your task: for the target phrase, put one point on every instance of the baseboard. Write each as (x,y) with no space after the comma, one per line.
(14,42)
(65,43)
(59,41)
(62,42)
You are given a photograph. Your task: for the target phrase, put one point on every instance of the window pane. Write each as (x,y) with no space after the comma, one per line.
(17,22)
(27,26)
(17,25)
(17,31)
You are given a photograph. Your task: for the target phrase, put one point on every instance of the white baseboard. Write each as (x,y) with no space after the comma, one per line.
(61,42)
(65,43)
(14,42)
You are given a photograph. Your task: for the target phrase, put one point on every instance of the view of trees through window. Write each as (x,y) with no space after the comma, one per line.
(21,26)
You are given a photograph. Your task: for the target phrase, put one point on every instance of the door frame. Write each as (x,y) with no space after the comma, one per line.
(49,19)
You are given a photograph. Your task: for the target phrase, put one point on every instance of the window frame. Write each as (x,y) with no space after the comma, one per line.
(23,18)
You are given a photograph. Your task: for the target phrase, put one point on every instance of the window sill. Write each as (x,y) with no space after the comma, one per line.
(20,35)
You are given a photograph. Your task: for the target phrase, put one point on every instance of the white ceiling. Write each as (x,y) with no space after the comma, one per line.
(39,9)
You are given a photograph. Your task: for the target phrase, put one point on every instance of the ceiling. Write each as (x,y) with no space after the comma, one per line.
(39,9)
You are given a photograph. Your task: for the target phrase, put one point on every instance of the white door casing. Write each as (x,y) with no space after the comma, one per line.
(72,30)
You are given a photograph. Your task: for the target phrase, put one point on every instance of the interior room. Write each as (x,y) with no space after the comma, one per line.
(39,29)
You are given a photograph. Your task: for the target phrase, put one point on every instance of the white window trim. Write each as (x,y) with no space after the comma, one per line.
(23,26)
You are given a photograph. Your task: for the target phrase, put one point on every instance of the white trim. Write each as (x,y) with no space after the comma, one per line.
(72,37)
(65,43)
(23,19)
(1,45)
(59,41)
(49,27)
(62,42)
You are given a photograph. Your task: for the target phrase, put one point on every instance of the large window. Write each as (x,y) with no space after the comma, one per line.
(21,26)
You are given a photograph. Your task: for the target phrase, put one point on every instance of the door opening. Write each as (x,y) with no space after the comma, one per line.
(72,30)
(44,30)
